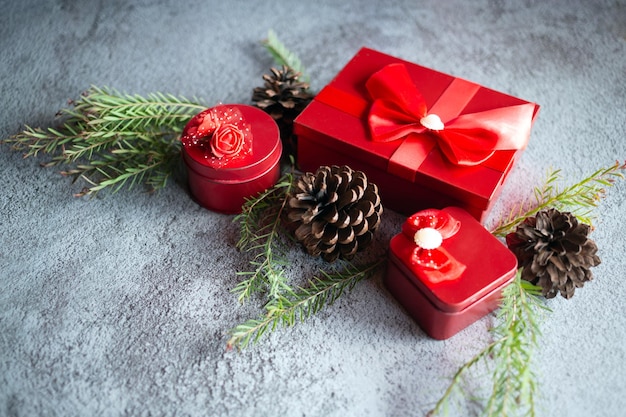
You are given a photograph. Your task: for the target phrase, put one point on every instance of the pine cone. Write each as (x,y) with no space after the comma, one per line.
(283,97)
(554,251)
(335,212)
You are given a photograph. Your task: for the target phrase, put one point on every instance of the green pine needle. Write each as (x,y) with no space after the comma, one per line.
(517,335)
(108,110)
(260,223)
(515,338)
(113,140)
(579,198)
(294,306)
(283,56)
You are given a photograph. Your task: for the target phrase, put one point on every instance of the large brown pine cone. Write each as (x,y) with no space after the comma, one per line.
(554,251)
(335,212)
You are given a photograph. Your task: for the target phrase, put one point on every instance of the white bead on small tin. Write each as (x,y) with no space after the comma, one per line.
(432,122)
(428,238)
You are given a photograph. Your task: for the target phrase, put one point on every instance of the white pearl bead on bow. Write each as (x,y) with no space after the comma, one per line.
(432,122)
(428,238)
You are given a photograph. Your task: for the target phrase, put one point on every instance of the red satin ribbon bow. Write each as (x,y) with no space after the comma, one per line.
(427,229)
(399,111)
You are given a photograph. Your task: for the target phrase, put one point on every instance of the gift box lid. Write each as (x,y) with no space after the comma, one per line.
(488,264)
(337,119)
(263,154)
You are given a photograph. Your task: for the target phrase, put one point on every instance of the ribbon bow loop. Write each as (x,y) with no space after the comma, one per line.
(398,111)
(428,229)
(395,112)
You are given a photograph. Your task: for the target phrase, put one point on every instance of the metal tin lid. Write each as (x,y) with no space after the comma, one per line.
(489,264)
(265,152)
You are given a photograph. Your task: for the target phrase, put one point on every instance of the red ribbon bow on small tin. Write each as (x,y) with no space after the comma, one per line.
(428,229)
(399,111)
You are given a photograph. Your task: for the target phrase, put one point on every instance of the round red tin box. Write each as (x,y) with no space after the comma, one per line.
(224,187)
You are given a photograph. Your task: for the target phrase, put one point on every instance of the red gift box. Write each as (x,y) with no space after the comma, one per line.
(471,267)
(372,117)
(223,184)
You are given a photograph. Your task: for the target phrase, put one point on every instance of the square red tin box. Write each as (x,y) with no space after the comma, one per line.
(427,139)
(445,301)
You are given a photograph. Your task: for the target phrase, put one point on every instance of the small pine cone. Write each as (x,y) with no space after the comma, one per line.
(335,212)
(283,97)
(554,251)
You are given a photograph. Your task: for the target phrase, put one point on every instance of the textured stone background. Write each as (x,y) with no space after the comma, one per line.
(120,305)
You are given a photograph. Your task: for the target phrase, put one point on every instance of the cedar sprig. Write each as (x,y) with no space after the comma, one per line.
(113,140)
(510,354)
(579,198)
(293,306)
(283,56)
(261,233)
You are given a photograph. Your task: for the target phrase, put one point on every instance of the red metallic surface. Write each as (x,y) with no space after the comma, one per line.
(225,189)
(445,308)
(330,135)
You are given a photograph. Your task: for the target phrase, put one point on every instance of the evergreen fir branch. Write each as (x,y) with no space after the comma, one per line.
(515,338)
(283,56)
(90,145)
(254,210)
(127,166)
(33,141)
(294,306)
(513,381)
(102,113)
(579,198)
(260,233)
(113,140)
(110,110)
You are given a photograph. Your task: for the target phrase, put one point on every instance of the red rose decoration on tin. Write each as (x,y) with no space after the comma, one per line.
(227,140)
(221,133)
